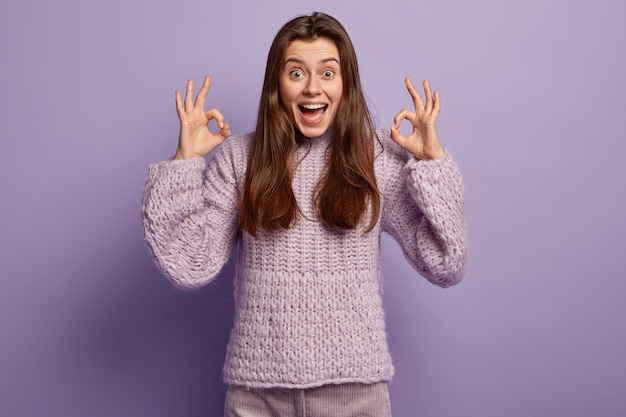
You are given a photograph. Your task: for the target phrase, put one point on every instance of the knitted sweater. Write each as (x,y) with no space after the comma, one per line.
(308,299)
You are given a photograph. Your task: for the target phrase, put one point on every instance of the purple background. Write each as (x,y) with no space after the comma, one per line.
(533,111)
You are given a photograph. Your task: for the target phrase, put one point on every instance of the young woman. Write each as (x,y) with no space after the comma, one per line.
(306,196)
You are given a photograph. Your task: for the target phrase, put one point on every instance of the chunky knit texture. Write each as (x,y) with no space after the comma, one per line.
(308,299)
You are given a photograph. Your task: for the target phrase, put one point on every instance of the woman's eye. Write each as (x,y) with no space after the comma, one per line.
(328,73)
(296,74)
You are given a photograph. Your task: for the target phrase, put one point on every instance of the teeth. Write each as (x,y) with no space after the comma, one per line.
(313,106)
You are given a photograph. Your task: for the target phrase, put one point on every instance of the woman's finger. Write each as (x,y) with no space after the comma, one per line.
(417,99)
(429,97)
(217,115)
(224,132)
(189,96)
(396,136)
(403,115)
(179,105)
(201,99)
(437,104)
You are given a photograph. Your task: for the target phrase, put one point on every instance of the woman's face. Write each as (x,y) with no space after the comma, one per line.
(310,85)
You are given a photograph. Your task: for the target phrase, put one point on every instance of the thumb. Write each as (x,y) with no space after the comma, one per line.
(396,136)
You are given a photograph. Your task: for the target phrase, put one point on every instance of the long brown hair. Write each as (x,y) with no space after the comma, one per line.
(349,183)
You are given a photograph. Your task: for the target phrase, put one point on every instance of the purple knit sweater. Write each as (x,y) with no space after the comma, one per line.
(308,299)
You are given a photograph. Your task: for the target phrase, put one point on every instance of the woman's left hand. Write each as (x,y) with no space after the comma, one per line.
(423,143)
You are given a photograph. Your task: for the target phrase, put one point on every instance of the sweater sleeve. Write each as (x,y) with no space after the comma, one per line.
(190,214)
(423,212)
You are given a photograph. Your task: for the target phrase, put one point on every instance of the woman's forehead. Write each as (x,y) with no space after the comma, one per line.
(320,49)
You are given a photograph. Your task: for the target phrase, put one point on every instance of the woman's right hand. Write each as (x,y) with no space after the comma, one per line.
(195,139)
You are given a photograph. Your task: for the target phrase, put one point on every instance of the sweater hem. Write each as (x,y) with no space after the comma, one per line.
(306,385)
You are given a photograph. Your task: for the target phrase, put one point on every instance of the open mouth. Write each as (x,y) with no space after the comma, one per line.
(312,113)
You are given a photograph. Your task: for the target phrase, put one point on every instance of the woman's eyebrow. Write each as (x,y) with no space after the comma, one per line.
(301,62)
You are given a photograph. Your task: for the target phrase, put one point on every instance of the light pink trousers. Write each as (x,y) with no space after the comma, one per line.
(345,400)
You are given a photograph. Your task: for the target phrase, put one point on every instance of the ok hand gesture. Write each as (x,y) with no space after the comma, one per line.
(423,142)
(195,139)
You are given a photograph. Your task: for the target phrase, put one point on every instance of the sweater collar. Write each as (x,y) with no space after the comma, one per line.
(314,142)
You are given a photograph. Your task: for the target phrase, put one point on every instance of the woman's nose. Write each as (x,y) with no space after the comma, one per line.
(312,87)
